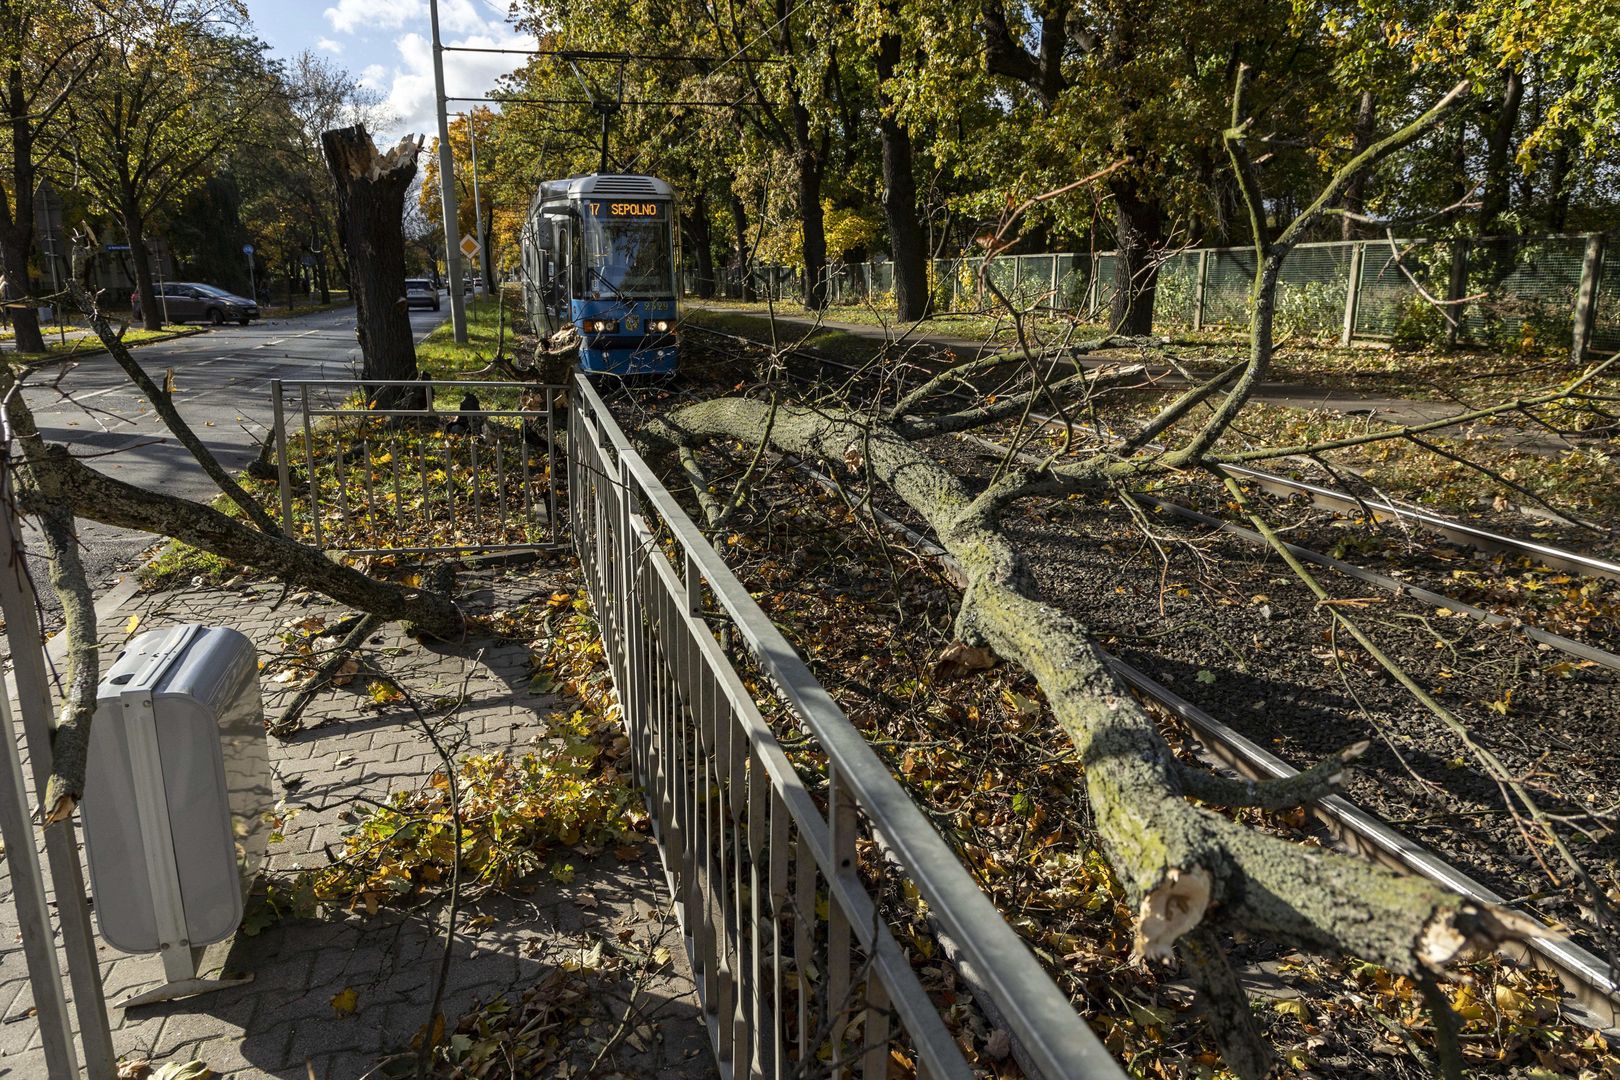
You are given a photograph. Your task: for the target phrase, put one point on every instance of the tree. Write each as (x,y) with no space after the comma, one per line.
(175,86)
(371,189)
(47,47)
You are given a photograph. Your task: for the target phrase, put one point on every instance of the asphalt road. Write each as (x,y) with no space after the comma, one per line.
(222,379)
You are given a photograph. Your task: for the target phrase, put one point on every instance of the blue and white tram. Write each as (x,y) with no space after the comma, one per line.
(599,254)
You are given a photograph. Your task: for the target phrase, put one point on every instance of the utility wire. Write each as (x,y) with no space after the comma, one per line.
(609,57)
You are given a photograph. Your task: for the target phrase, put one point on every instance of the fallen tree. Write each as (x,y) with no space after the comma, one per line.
(1189,873)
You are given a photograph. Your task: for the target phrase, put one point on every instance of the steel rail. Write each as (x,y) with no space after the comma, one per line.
(1593,982)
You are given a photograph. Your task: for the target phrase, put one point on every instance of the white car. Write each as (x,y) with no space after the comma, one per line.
(420,292)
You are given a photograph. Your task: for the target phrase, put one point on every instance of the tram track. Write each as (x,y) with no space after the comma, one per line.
(1590,980)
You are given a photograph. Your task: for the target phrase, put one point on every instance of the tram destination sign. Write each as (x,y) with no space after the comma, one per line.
(603,209)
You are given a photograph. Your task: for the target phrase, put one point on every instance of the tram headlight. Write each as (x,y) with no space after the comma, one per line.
(660,326)
(600,326)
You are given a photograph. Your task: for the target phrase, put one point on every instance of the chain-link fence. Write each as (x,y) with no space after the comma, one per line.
(1517,293)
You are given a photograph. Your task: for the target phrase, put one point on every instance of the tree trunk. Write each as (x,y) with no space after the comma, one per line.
(1499,156)
(739,225)
(702,244)
(814,224)
(1355,196)
(1181,865)
(1139,236)
(900,194)
(1558,186)
(17,214)
(135,232)
(371,190)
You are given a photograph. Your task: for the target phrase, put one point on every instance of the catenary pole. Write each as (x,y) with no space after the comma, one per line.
(447,186)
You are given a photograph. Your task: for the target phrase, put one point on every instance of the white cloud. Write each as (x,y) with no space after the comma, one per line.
(409,86)
(351,15)
(328,45)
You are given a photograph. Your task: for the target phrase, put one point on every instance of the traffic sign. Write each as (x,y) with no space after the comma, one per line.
(469,246)
(247,249)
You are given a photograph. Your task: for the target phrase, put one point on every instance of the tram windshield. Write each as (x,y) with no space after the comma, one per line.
(627,249)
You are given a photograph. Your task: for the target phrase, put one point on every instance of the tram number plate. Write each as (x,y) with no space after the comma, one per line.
(626,209)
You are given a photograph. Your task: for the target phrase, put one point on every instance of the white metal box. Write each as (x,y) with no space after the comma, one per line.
(177,789)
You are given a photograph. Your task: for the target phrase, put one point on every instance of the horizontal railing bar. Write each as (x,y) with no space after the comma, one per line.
(438,414)
(424,382)
(1040,1016)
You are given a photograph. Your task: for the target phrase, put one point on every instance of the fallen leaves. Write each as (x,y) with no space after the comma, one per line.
(346,1002)
(958,659)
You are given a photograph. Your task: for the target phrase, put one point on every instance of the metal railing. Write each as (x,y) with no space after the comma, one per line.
(414,479)
(773,859)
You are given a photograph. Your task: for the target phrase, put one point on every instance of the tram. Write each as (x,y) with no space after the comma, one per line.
(599,255)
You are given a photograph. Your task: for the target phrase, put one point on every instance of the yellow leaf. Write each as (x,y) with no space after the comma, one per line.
(346,1001)
(1295,1008)
(129,627)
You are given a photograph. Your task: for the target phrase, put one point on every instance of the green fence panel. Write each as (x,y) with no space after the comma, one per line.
(1228,281)
(1312,285)
(1388,305)
(1176,289)
(1527,290)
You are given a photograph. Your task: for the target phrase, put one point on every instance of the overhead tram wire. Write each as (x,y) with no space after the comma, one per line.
(588,101)
(614,57)
(707,75)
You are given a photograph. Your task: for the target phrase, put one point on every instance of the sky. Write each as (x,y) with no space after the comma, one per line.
(387,46)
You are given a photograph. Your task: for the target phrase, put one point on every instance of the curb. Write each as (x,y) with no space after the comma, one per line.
(35,360)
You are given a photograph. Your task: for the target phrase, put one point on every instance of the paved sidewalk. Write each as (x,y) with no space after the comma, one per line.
(283,1023)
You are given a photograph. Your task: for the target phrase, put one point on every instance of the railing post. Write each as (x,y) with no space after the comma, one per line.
(35,706)
(1352,293)
(1053,303)
(1586,298)
(1456,289)
(283,475)
(1198,289)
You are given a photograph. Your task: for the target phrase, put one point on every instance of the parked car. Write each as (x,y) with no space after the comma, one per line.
(189,301)
(420,292)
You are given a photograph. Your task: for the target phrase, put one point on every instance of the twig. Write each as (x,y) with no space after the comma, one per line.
(287,724)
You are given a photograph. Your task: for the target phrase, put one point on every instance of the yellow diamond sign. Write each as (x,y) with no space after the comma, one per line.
(469,246)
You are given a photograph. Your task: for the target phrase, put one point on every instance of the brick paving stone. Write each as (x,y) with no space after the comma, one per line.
(283,1022)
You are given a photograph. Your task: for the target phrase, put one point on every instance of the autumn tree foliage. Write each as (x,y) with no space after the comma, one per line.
(929,120)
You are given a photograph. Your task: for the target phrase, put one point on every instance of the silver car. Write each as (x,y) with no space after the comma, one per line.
(420,292)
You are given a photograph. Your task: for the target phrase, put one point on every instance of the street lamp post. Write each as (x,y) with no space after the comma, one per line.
(447,186)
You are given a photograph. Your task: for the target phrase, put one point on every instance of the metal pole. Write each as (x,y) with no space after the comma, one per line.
(478,209)
(253,284)
(1352,294)
(34,703)
(447,186)
(1586,298)
(28,890)
(1198,289)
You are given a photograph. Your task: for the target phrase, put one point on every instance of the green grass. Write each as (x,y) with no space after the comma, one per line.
(441,358)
